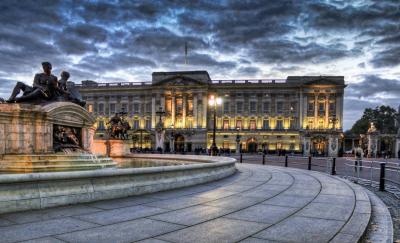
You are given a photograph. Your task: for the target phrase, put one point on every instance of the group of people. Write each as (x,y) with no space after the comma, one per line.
(46,87)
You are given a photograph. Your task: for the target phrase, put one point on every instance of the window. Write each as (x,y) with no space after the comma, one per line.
(239,124)
(101,109)
(124,107)
(253,125)
(179,106)
(190,106)
(253,107)
(100,125)
(321,109)
(95,108)
(135,124)
(148,107)
(279,107)
(136,108)
(266,124)
(279,124)
(293,106)
(148,124)
(226,107)
(332,107)
(266,107)
(226,124)
(293,123)
(239,107)
(112,108)
(310,106)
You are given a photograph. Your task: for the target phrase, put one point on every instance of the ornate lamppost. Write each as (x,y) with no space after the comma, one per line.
(214,101)
(237,140)
(172,139)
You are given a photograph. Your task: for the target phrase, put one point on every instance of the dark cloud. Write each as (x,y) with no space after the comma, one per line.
(249,71)
(373,85)
(387,58)
(196,59)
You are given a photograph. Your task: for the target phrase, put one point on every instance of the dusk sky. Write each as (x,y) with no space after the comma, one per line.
(114,41)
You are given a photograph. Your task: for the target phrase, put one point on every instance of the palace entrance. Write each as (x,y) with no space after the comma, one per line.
(179,143)
(251,145)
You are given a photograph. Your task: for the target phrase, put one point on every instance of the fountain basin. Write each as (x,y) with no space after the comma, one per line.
(20,192)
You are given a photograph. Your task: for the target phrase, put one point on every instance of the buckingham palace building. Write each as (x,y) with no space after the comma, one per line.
(301,114)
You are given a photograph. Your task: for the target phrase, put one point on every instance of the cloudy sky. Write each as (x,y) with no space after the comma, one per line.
(111,41)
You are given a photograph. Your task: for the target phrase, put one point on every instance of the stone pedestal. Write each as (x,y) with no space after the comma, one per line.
(28,129)
(306,146)
(160,138)
(372,144)
(397,147)
(333,145)
(119,148)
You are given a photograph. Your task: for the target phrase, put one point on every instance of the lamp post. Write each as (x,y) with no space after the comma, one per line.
(238,140)
(172,138)
(214,101)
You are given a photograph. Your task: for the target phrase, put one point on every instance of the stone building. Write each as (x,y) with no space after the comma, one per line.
(299,113)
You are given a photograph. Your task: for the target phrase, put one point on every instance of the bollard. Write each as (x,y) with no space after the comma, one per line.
(333,172)
(309,163)
(382,178)
(286,161)
(241,158)
(263,159)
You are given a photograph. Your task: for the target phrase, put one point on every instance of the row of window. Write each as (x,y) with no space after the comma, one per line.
(280,107)
(253,125)
(112,108)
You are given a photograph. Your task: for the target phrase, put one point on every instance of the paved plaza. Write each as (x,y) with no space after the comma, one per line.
(257,204)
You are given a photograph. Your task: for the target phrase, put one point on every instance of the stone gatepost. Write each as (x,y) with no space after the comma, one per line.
(397,146)
(333,147)
(372,136)
(306,145)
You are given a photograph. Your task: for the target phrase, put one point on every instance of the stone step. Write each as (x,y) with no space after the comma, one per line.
(54,168)
(35,157)
(74,161)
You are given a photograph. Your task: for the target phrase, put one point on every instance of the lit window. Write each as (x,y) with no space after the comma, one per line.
(239,124)
(253,125)
(226,124)
(90,108)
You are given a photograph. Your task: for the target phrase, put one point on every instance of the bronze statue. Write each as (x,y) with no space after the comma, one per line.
(65,138)
(40,88)
(118,127)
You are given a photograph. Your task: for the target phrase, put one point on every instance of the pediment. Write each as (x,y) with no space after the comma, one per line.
(321,81)
(179,80)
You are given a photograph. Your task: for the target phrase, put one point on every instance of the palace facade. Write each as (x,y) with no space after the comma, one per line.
(297,114)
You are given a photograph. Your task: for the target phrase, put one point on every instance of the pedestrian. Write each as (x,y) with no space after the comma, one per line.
(358,158)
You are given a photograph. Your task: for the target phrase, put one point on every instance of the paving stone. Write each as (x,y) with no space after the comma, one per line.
(363,207)
(300,192)
(334,199)
(178,203)
(327,211)
(44,240)
(51,213)
(122,202)
(5,222)
(357,224)
(341,238)
(264,194)
(152,240)
(129,231)
(268,214)
(257,240)
(41,229)
(192,215)
(237,188)
(302,229)
(215,194)
(235,202)
(219,230)
(288,201)
(121,214)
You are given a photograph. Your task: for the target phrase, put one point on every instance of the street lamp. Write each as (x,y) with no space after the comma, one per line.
(238,140)
(172,143)
(214,101)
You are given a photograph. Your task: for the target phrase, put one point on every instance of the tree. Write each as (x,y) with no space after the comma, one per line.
(383,117)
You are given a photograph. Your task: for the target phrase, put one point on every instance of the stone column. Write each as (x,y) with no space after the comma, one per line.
(205,105)
(195,122)
(173,102)
(315,111)
(153,111)
(184,110)
(327,111)
(397,147)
